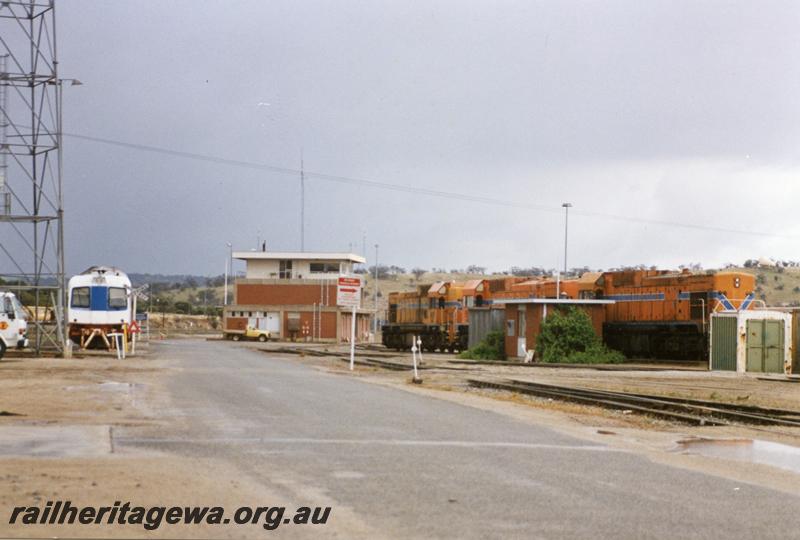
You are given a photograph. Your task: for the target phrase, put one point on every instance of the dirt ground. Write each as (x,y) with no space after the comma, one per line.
(55,440)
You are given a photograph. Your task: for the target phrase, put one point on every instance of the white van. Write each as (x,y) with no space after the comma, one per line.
(13,323)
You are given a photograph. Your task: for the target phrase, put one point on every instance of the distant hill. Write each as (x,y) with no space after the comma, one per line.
(170,279)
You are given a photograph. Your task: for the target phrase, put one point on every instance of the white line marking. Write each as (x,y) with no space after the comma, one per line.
(375,442)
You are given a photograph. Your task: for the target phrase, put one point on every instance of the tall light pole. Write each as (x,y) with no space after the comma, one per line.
(375,294)
(61,301)
(228,265)
(566,207)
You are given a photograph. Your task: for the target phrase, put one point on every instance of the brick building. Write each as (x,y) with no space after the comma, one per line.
(524,317)
(293,295)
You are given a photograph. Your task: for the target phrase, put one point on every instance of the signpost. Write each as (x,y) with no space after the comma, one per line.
(348,294)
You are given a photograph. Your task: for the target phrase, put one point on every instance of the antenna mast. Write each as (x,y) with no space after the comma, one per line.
(302,205)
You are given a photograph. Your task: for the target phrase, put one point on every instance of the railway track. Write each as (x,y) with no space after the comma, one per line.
(397,366)
(691,411)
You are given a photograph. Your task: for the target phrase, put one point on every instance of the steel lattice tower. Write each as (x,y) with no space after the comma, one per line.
(31,202)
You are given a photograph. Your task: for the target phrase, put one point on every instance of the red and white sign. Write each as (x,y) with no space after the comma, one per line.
(348,292)
(134,328)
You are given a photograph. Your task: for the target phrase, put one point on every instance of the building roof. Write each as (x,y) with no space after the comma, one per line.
(590,277)
(471,285)
(298,256)
(574,301)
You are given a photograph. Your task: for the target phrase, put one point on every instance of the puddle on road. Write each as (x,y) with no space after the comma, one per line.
(120,386)
(108,386)
(54,441)
(747,450)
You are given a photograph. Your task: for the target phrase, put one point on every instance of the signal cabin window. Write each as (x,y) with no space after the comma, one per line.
(441,303)
(80,297)
(285,270)
(117,298)
(324,268)
(479,300)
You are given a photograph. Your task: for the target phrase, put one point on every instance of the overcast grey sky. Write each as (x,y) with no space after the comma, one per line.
(675,111)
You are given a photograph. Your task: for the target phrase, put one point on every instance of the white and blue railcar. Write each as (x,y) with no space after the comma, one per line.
(99,304)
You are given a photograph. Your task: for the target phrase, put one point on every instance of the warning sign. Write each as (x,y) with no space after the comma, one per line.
(348,292)
(134,328)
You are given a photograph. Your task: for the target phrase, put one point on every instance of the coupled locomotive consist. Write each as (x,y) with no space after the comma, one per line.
(99,304)
(439,313)
(655,314)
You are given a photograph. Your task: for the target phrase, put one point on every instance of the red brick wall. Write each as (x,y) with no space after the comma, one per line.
(282,294)
(307,319)
(533,322)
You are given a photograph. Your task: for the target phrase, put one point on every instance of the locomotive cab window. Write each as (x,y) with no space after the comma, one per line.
(117,298)
(80,297)
(697,305)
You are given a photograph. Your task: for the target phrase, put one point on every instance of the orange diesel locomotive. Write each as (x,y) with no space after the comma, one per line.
(662,314)
(438,313)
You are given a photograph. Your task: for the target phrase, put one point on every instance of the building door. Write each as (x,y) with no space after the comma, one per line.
(522,348)
(273,322)
(765,349)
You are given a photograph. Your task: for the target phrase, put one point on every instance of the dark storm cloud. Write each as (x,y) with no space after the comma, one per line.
(675,111)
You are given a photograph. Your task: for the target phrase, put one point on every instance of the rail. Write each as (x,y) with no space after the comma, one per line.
(690,411)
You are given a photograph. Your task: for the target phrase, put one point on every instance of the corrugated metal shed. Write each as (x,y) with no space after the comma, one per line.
(482,321)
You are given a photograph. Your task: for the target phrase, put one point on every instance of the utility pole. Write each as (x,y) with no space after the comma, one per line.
(229,271)
(225,288)
(566,207)
(302,204)
(375,294)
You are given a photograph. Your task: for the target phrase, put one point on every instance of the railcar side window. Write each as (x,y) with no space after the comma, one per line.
(80,297)
(21,312)
(117,298)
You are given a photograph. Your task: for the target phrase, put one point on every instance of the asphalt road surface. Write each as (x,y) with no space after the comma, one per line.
(413,466)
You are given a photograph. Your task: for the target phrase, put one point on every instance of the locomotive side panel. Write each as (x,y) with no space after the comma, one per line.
(662,315)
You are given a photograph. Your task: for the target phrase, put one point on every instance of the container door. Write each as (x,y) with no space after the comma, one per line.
(755,345)
(723,345)
(773,346)
(796,342)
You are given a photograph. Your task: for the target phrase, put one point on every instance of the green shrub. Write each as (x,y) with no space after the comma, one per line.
(569,337)
(492,347)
